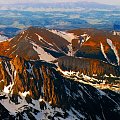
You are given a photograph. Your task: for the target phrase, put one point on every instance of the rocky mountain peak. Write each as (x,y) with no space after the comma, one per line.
(51,74)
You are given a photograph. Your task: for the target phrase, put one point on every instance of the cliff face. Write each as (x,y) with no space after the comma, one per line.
(97,44)
(48,87)
(33,88)
(89,43)
(87,66)
(29,76)
(50,45)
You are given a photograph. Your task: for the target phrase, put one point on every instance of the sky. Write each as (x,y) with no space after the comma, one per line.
(112,2)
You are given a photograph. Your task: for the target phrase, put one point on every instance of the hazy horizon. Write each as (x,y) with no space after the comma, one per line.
(110,2)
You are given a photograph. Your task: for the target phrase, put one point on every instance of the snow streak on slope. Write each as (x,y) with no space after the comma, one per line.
(24,93)
(85,37)
(103,52)
(42,54)
(41,39)
(68,36)
(97,83)
(114,50)
(70,52)
(8,89)
(3,38)
(76,99)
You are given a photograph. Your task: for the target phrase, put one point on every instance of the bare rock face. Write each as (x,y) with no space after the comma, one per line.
(87,66)
(50,45)
(29,76)
(31,43)
(97,44)
(4,74)
(88,43)
(24,73)
(42,81)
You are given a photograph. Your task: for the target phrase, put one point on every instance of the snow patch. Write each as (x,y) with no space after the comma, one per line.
(42,40)
(70,52)
(8,71)
(42,54)
(12,107)
(103,52)
(85,37)
(7,89)
(66,73)
(114,50)
(39,37)
(78,113)
(68,36)
(15,73)
(3,38)
(24,94)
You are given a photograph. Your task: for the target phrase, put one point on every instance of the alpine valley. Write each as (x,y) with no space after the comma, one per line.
(54,74)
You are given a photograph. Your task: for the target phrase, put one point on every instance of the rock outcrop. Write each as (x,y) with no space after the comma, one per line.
(99,44)
(32,88)
(31,43)
(42,82)
(31,76)
(87,66)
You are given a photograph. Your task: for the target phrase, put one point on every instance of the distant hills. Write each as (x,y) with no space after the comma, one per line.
(60,16)
(82,4)
(59,61)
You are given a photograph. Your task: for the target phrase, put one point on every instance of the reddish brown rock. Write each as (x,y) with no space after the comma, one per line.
(92,47)
(87,66)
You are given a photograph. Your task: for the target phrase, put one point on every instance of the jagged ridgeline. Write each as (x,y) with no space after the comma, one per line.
(50,74)
(88,43)
(45,87)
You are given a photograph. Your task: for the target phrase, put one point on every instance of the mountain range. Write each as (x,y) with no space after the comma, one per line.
(75,4)
(55,75)
(60,16)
